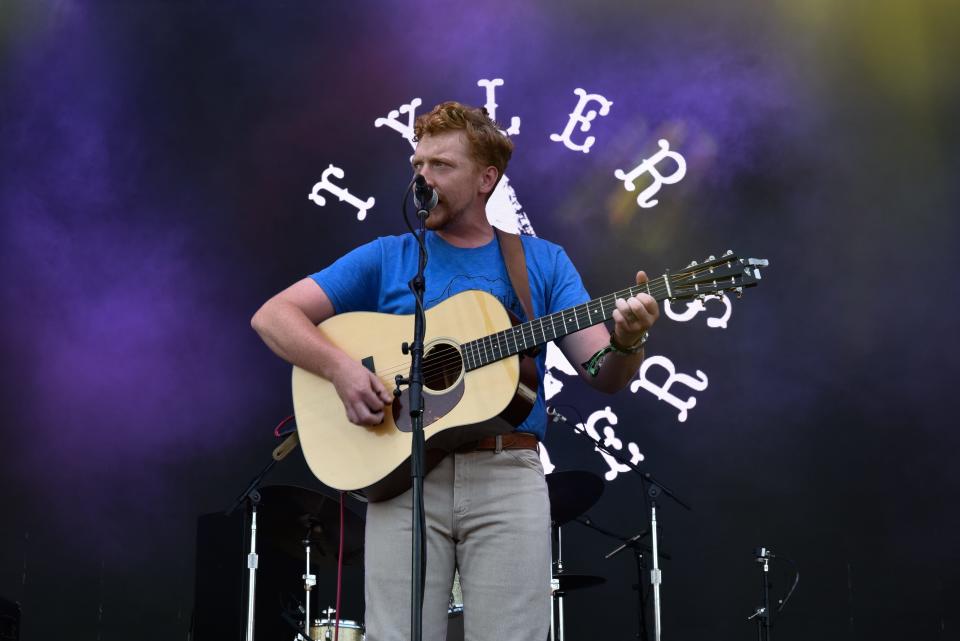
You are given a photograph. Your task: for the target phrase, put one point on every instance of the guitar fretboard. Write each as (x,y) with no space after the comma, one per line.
(540,331)
(713,276)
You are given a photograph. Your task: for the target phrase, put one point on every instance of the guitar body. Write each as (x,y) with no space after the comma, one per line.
(489,400)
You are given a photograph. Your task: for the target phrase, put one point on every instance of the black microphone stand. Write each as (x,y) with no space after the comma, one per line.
(638,548)
(763,613)
(415,393)
(652,488)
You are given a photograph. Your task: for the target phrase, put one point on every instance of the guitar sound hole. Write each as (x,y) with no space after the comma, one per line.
(441,366)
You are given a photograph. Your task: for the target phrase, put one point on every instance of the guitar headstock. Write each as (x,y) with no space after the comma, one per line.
(716,275)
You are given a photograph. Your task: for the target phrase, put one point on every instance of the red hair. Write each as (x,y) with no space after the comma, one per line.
(487,145)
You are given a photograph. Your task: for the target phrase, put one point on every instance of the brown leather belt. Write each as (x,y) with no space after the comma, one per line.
(511,441)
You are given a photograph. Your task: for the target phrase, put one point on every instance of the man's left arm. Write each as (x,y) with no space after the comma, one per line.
(632,319)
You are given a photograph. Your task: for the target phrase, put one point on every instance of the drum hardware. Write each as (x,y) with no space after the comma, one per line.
(455,606)
(305,524)
(293,514)
(455,631)
(309,579)
(285,515)
(571,493)
(566,581)
(556,596)
(288,512)
(562,582)
(327,628)
(653,488)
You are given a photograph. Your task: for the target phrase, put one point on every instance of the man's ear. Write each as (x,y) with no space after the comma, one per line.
(488,179)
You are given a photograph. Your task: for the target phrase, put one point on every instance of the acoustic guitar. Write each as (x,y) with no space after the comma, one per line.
(477,381)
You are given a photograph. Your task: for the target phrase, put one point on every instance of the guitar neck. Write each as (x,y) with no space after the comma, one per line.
(716,275)
(540,331)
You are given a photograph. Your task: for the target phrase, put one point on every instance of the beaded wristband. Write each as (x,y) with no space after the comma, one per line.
(592,366)
(633,349)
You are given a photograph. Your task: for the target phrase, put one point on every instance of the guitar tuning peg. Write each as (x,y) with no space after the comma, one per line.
(739,291)
(693,263)
(729,252)
(711,257)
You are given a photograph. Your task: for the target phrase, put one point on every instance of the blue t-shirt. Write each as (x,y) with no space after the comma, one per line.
(374,277)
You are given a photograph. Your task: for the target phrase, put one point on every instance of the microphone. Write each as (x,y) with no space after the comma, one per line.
(626,544)
(763,553)
(424,196)
(556,416)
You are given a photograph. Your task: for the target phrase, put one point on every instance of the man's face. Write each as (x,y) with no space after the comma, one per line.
(444,161)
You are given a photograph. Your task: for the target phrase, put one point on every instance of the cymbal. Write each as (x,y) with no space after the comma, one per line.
(571,494)
(288,514)
(577,581)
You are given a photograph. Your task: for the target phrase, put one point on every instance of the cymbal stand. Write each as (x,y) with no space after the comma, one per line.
(309,581)
(556,596)
(654,492)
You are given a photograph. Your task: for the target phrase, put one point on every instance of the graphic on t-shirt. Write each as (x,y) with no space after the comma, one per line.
(500,288)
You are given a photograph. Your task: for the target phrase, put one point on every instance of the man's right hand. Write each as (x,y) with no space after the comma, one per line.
(363,394)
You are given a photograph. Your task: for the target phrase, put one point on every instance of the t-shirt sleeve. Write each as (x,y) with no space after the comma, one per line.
(353,282)
(568,289)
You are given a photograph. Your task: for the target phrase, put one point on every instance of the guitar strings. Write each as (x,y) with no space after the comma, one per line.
(454,363)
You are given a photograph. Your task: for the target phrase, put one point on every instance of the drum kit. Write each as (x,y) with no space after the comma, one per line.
(306,525)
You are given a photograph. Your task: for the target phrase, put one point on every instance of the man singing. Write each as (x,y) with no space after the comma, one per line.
(487,510)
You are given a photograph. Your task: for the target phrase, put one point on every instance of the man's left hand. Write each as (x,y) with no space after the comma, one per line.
(635,315)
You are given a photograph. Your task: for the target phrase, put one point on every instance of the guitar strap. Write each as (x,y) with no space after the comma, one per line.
(512,249)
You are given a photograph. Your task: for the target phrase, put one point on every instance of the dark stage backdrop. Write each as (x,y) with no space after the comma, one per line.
(156,163)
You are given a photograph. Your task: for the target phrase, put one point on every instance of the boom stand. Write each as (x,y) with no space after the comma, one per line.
(251,496)
(653,491)
(252,563)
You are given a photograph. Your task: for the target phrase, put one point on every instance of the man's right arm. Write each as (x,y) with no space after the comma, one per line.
(287,324)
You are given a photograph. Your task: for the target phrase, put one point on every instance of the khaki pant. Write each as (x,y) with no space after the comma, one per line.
(487,514)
